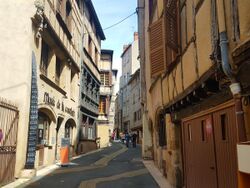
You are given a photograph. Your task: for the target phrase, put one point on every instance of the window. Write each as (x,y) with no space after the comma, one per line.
(69,131)
(162,131)
(90,133)
(68,18)
(152,7)
(184,27)
(189,132)
(139,114)
(90,47)
(72,84)
(58,70)
(96,56)
(68,8)
(223,123)
(44,58)
(83,131)
(43,129)
(102,105)
(105,78)
(135,116)
(172,30)
(203,131)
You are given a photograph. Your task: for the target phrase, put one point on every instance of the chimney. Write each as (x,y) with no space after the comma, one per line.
(135,36)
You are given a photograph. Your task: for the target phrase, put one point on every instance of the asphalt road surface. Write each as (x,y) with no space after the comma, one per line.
(112,167)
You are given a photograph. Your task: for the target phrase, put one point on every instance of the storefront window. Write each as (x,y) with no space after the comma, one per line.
(69,132)
(43,129)
(90,133)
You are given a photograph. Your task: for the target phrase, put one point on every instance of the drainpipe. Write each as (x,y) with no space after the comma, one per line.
(234,86)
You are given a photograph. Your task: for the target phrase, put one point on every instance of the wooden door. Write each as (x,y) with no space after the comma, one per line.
(200,164)
(41,156)
(225,134)
(9,116)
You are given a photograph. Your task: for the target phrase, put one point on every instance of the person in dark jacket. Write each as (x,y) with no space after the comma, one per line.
(134,137)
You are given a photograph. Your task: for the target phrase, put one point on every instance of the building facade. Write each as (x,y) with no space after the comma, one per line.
(49,58)
(56,83)
(194,105)
(135,105)
(104,128)
(130,64)
(112,108)
(90,78)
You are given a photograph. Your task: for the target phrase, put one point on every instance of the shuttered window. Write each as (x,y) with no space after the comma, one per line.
(172,24)
(172,30)
(157,48)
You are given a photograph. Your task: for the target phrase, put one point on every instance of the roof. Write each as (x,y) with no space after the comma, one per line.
(95,18)
(105,51)
(126,50)
(108,52)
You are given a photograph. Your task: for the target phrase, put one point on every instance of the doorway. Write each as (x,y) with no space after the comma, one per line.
(210,150)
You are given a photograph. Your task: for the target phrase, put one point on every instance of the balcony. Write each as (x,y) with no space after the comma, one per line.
(105,90)
(89,104)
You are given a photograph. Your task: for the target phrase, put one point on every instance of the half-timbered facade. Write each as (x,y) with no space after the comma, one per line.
(194,98)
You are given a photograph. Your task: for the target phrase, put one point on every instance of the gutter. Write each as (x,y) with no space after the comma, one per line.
(234,86)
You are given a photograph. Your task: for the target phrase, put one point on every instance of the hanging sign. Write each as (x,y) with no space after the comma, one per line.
(209,128)
(1,135)
(33,118)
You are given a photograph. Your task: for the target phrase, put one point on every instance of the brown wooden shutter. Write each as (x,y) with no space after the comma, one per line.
(172,24)
(157,47)
(172,31)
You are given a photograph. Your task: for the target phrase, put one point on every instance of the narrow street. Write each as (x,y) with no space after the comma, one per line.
(115,166)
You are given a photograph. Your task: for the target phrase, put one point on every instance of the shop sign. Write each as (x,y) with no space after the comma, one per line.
(33,118)
(59,105)
(48,100)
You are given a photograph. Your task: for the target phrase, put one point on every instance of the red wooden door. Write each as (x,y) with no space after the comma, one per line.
(200,165)
(225,134)
(210,150)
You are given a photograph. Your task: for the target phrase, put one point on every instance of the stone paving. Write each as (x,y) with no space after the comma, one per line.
(115,166)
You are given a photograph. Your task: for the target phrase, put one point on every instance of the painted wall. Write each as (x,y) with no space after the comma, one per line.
(17,35)
(134,102)
(103,133)
(15,51)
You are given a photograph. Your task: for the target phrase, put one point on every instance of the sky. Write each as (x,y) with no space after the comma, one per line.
(110,12)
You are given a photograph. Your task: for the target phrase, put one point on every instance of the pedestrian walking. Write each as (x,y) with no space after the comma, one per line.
(127,138)
(134,137)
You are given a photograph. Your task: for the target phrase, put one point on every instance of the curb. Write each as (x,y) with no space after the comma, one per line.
(156,174)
